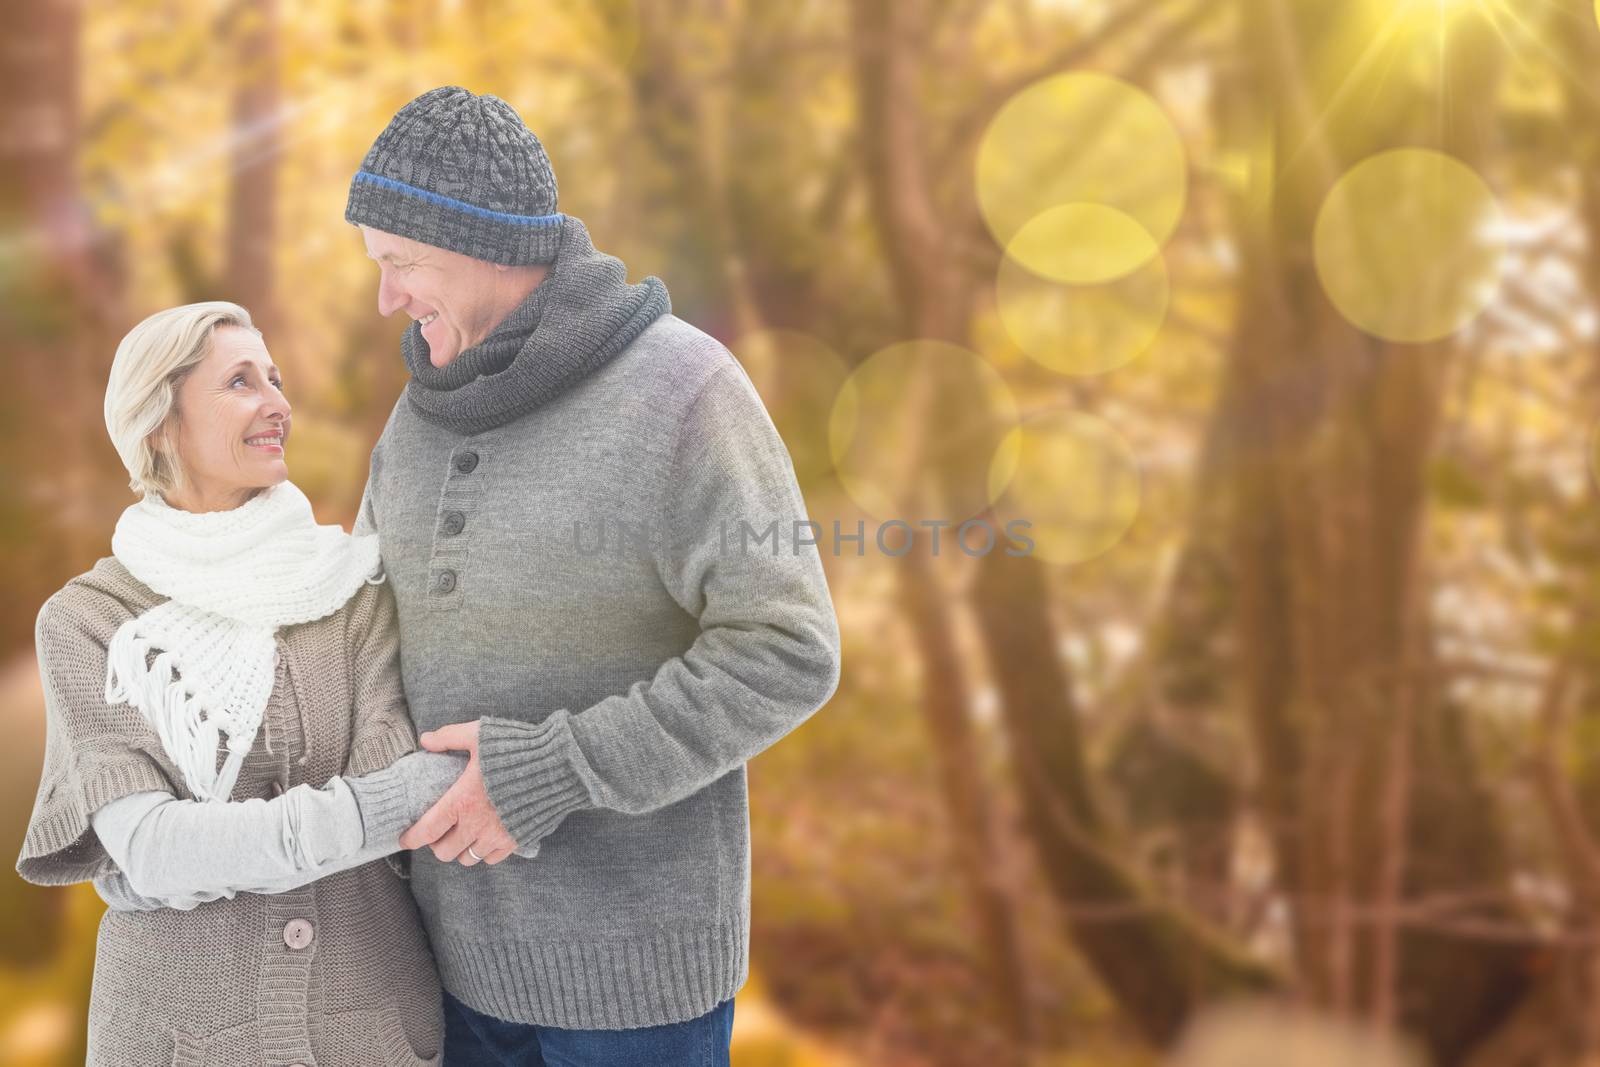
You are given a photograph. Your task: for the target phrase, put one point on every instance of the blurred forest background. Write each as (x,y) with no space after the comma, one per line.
(1276,319)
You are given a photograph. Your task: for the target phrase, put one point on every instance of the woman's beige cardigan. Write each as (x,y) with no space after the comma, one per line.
(336,973)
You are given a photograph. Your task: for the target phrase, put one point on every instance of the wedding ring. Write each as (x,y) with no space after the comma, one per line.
(473,854)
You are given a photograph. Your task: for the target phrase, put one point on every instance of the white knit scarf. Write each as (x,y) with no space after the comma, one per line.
(233,577)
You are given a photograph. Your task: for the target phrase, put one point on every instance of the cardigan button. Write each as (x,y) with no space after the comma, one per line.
(454,523)
(446,582)
(467,462)
(298,933)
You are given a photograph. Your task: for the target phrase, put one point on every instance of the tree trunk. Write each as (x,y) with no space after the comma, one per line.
(60,300)
(1558,1022)
(1159,964)
(1364,765)
(933,307)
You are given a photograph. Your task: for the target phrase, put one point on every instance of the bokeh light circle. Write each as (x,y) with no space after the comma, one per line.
(1073,479)
(1082,244)
(1081,138)
(1083,329)
(1408,245)
(800,376)
(913,428)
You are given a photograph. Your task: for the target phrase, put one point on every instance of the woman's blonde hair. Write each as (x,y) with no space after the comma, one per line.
(151,363)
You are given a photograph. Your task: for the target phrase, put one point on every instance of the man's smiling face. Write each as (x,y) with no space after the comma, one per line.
(457,299)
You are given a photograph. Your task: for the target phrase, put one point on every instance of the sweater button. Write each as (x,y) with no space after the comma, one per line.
(297,934)
(454,523)
(467,462)
(446,582)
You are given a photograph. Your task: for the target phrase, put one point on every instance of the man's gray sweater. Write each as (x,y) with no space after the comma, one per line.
(621,584)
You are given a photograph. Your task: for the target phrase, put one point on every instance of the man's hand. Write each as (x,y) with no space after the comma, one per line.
(463,818)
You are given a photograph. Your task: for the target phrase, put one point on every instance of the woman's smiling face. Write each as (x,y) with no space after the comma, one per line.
(231,424)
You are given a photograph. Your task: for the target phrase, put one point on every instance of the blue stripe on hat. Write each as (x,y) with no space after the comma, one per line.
(459,205)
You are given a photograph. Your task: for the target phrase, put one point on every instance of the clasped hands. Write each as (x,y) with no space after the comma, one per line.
(463,824)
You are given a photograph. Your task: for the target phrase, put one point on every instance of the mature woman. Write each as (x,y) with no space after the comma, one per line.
(227,736)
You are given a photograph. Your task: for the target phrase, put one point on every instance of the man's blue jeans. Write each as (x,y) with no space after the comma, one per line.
(472,1039)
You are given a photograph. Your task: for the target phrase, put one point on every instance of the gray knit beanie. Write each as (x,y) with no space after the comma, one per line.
(460,171)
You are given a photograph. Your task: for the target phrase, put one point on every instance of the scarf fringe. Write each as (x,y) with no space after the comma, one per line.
(189,732)
(232,580)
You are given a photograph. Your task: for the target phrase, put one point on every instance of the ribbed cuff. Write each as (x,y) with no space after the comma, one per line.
(382,741)
(381,796)
(528,772)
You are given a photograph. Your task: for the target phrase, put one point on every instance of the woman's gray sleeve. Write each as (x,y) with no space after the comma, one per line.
(114,889)
(181,853)
(172,847)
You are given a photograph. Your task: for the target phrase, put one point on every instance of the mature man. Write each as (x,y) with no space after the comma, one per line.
(609,688)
